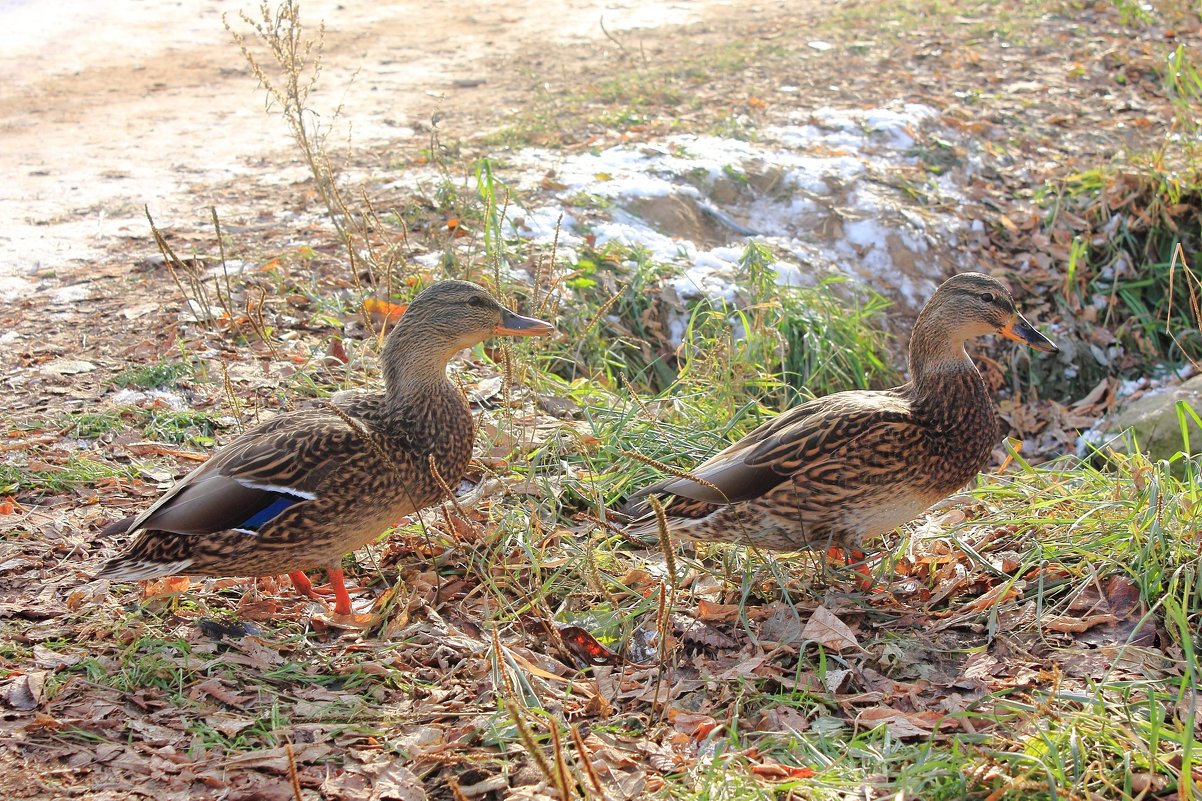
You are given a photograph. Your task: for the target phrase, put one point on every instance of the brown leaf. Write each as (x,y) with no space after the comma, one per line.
(391,781)
(717,613)
(165,587)
(775,771)
(782,719)
(1068,623)
(45,658)
(1002,593)
(825,628)
(1123,595)
(694,724)
(699,633)
(276,759)
(25,691)
(225,695)
(900,725)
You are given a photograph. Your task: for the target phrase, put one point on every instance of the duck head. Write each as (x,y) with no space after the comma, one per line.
(441,321)
(965,306)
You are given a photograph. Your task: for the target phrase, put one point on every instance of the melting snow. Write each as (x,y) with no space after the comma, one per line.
(816,189)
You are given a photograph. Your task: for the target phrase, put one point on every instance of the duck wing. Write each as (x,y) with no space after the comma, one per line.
(803,437)
(280,463)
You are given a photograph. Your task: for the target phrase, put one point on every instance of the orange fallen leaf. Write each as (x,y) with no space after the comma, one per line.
(383,310)
(715,612)
(1000,594)
(695,724)
(165,587)
(337,351)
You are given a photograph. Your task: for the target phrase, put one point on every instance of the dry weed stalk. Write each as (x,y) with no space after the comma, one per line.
(298,59)
(586,764)
(298,65)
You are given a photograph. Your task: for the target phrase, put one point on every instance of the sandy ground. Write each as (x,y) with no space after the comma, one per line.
(107,107)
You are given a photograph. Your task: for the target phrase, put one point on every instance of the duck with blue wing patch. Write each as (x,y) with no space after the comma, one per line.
(307,487)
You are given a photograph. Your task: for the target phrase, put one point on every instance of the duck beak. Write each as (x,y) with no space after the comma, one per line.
(1022,331)
(515,325)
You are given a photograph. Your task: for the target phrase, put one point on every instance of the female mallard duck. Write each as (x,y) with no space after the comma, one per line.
(841,468)
(306,487)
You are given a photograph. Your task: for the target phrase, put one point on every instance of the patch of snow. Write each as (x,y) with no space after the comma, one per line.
(12,286)
(713,275)
(542,224)
(139,397)
(70,294)
(231,267)
(811,189)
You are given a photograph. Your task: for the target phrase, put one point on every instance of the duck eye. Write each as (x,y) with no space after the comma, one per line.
(987,297)
(475,300)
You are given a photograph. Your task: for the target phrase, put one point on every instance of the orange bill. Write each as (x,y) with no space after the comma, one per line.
(1022,331)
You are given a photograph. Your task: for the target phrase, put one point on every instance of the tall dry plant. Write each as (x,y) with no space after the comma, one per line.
(288,79)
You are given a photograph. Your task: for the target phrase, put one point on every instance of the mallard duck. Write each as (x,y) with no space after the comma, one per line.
(845,467)
(306,487)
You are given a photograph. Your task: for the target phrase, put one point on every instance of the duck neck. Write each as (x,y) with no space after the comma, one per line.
(413,367)
(939,363)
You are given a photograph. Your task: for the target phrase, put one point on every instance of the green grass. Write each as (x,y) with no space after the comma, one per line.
(92,425)
(181,427)
(76,472)
(159,375)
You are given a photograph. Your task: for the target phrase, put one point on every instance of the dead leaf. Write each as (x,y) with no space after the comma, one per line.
(45,658)
(694,724)
(383,311)
(782,719)
(1075,625)
(25,691)
(697,632)
(1123,595)
(374,782)
(1002,593)
(900,725)
(717,613)
(775,771)
(276,759)
(485,390)
(826,629)
(584,646)
(165,587)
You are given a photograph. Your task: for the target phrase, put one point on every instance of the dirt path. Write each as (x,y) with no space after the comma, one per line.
(108,107)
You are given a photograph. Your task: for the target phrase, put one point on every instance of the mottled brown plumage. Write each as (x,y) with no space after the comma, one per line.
(848,466)
(306,487)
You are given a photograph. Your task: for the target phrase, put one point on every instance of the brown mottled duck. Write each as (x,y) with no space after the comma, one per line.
(839,469)
(305,488)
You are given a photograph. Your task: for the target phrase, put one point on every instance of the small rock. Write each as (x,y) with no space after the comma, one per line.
(1154,422)
(67,367)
